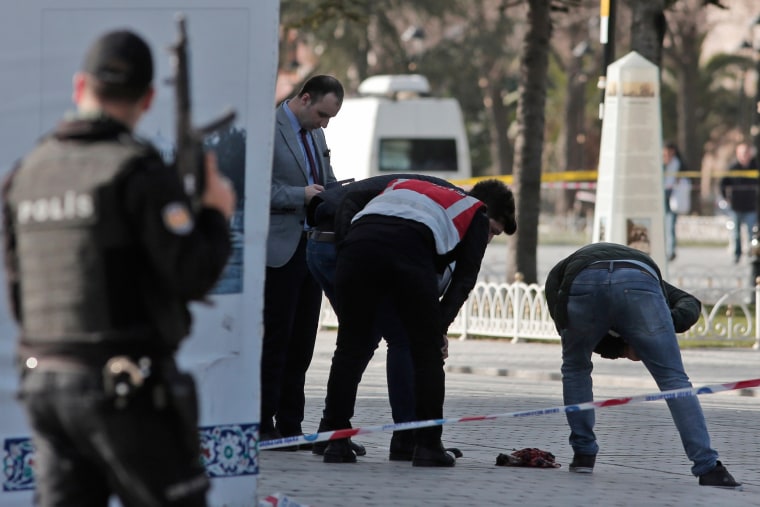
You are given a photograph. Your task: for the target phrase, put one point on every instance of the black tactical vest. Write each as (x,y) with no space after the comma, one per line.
(66,216)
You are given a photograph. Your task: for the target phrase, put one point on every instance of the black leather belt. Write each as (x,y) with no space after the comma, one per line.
(321,236)
(282,211)
(613,265)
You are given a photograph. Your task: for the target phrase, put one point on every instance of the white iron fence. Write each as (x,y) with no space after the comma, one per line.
(518,311)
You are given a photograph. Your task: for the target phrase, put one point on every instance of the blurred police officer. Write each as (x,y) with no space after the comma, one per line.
(103,256)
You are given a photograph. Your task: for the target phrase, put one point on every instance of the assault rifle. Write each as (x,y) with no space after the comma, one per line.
(189,158)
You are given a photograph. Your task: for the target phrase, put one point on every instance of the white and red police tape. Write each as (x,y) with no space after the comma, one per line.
(611,402)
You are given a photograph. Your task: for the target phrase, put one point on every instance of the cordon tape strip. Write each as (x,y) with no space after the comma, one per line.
(590,405)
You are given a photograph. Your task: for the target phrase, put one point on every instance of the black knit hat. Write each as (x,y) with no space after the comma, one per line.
(121,61)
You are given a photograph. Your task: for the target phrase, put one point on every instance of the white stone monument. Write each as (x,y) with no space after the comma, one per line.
(630,203)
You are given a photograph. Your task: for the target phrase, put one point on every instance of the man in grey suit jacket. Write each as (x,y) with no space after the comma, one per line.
(292,297)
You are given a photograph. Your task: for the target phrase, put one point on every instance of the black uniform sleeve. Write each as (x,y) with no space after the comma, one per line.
(469,256)
(9,250)
(355,199)
(312,210)
(552,288)
(186,254)
(684,308)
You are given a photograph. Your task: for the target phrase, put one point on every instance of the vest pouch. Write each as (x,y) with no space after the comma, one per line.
(182,397)
(123,378)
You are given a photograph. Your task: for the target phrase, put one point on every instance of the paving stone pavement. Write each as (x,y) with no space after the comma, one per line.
(641,461)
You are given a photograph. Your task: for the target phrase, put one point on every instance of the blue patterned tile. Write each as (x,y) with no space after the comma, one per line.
(230,450)
(17,464)
(227,450)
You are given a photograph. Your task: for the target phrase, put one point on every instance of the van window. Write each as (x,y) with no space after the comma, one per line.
(418,155)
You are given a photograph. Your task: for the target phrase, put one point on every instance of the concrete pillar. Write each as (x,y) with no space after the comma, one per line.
(233,47)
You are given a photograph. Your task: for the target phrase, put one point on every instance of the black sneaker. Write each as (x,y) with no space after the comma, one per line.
(583,463)
(719,477)
(402,446)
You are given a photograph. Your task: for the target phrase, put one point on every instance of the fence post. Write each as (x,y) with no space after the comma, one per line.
(516,301)
(466,317)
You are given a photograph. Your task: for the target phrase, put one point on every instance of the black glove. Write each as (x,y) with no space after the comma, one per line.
(611,347)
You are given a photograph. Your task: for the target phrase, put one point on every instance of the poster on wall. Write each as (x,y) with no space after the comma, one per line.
(602,229)
(638,233)
(233,48)
(66,32)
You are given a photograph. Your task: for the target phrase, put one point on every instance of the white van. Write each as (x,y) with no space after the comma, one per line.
(394,126)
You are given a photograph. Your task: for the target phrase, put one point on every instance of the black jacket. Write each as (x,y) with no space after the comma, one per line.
(323,209)
(740,191)
(345,202)
(684,308)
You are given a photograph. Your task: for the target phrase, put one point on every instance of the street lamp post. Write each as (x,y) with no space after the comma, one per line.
(754,44)
(607,14)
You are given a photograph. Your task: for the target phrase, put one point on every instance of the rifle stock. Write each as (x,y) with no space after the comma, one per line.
(189,158)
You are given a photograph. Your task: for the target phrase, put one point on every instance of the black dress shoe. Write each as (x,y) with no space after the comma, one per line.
(339,451)
(432,457)
(274,435)
(306,446)
(402,446)
(358,449)
(318,448)
(453,450)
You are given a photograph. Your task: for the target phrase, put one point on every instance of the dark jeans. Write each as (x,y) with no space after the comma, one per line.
(86,449)
(386,263)
(322,258)
(632,303)
(748,218)
(670,234)
(292,300)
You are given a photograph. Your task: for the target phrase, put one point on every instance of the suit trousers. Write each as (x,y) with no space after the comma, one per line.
(379,263)
(322,258)
(292,301)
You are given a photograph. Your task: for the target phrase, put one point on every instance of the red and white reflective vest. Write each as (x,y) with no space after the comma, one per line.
(446,211)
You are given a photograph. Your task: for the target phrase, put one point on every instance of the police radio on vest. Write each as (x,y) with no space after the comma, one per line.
(46,209)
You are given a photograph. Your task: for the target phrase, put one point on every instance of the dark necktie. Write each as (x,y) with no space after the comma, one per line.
(312,163)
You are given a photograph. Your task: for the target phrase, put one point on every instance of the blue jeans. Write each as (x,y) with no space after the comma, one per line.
(748,218)
(670,234)
(632,303)
(321,257)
